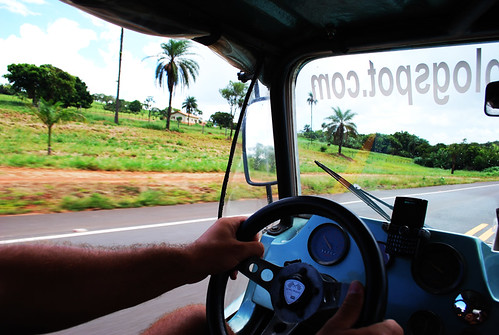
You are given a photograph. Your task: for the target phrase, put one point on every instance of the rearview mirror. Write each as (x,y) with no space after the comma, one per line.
(492,99)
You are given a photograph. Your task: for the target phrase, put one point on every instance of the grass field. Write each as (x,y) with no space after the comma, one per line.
(99,144)
(139,146)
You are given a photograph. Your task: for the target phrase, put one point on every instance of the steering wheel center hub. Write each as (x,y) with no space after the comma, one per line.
(293,290)
(297,292)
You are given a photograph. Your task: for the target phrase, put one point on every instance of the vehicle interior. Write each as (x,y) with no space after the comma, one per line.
(424,67)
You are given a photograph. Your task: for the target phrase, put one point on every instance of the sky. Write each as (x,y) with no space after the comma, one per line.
(389,98)
(51,32)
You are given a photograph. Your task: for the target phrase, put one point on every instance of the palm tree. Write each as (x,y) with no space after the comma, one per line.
(311,101)
(174,66)
(191,106)
(51,113)
(340,125)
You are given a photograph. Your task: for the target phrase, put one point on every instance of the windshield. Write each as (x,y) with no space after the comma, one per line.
(410,123)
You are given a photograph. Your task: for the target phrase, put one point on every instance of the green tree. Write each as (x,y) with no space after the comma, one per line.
(234,93)
(311,101)
(340,125)
(174,66)
(135,106)
(221,119)
(81,98)
(191,107)
(122,108)
(51,113)
(57,85)
(24,78)
(155,112)
(50,83)
(100,97)
(6,89)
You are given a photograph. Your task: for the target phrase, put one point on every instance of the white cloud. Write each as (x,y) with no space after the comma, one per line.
(59,45)
(88,47)
(92,54)
(18,7)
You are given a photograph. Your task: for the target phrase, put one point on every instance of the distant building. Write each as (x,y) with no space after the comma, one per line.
(193,119)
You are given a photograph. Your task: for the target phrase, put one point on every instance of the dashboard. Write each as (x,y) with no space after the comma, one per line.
(450,285)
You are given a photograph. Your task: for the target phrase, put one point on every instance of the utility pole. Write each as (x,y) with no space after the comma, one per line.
(119,75)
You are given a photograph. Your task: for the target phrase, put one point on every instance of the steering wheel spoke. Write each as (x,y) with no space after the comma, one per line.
(259,271)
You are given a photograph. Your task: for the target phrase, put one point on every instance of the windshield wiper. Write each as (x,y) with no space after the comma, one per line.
(363,195)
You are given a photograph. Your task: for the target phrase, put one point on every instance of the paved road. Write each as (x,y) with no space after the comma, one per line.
(448,205)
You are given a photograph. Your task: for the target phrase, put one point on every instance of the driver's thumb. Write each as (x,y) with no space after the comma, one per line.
(349,311)
(249,249)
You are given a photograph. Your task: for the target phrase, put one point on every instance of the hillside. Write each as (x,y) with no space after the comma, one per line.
(97,164)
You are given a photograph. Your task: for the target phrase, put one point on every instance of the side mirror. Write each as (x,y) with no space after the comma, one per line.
(257,142)
(491,107)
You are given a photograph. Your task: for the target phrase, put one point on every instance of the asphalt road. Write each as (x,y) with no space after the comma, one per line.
(459,208)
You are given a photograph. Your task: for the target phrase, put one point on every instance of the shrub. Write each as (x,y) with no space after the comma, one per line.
(94,201)
(493,171)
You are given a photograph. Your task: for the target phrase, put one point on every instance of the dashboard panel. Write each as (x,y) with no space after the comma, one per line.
(450,286)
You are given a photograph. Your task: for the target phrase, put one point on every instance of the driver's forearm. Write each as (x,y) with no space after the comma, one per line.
(44,288)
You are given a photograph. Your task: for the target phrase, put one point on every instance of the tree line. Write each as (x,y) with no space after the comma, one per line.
(457,156)
(342,131)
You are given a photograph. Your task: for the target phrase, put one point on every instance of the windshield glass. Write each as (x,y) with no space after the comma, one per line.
(409,123)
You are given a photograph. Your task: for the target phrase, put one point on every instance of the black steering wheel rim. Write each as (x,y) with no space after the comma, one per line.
(376,285)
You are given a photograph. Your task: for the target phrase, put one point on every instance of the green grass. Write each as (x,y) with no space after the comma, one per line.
(99,144)
(365,162)
(136,144)
(373,170)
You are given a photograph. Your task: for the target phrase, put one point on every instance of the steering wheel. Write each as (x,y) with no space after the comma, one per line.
(316,293)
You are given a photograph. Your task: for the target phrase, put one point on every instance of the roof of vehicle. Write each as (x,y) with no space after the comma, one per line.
(241,30)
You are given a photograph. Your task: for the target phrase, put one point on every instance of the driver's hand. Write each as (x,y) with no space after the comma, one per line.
(347,315)
(218,250)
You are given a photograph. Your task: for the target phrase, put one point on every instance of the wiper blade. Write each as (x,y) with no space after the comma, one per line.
(361,194)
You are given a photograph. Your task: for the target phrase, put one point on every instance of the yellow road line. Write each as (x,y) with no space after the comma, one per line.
(475,230)
(485,236)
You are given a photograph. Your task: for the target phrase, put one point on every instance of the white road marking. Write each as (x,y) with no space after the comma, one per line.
(174,223)
(104,231)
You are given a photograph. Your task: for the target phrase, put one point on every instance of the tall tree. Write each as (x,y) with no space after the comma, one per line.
(340,125)
(311,101)
(51,113)
(191,107)
(234,93)
(175,66)
(116,112)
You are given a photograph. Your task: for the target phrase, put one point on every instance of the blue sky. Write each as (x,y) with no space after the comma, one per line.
(51,32)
